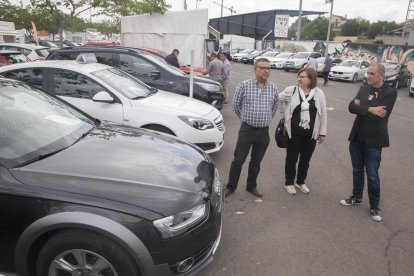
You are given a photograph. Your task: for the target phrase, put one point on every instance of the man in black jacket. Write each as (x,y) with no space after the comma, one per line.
(373,106)
(172,58)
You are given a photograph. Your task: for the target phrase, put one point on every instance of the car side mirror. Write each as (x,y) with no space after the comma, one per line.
(155,74)
(103,97)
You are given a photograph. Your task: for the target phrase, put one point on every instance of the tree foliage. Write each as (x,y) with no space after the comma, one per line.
(355,27)
(381,27)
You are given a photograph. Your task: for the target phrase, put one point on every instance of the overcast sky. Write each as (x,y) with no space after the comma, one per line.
(372,10)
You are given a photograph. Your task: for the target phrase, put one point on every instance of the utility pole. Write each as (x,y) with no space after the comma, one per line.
(329,26)
(221,8)
(185,5)
(299,21)
(221,5)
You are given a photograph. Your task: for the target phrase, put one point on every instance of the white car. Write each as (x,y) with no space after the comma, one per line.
(31,51)
(239,56)
(107,93)
(278,61)
(349,70)
(269,55)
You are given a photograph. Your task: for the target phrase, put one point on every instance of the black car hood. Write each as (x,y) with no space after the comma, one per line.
(205,80)
(128,165)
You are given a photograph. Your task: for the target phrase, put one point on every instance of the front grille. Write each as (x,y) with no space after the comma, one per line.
(220,123)
(206,146)
(337,73)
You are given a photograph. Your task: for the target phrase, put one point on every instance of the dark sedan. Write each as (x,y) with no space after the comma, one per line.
(396,75)
(80,197)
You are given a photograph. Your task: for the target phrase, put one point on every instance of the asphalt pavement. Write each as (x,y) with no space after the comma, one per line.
(312,234)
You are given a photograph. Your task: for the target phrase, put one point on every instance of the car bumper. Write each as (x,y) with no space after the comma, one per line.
(292,66)
(345,77)
(278,65)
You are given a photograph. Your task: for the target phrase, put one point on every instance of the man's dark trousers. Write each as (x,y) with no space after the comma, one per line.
(325,75)
(256,138)
(370,158)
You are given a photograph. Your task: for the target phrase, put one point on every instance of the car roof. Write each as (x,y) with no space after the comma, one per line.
(59,64)
(26,46)
(102,48)
(9,52)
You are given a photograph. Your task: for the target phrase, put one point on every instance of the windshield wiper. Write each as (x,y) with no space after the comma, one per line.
(138,97)
(39,157)
(83,136)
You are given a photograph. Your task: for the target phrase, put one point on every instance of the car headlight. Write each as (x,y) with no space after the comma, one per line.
(175,225)
(210,87)
(197,122)
(392,77)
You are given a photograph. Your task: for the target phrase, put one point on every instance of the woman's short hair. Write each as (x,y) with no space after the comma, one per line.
(311,75)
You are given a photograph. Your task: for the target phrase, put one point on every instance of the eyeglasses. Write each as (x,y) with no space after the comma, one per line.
(264,68)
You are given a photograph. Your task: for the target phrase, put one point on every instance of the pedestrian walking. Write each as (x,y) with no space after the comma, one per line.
(372,106)
(327,68)
(225,75)
(255,103)
(312,63)
(304,109)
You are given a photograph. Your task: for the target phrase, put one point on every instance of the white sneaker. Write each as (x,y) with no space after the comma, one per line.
(290,189)
(303,188)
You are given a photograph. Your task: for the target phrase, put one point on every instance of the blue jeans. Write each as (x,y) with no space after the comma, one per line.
(370,159)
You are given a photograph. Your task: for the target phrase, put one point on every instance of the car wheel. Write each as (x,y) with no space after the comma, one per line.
(355,78)
(82,252)
(159,129)
(287,70)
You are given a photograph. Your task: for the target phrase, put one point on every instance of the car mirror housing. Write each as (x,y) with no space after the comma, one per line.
(103,97)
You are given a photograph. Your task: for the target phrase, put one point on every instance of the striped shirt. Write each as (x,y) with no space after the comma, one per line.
(253,105)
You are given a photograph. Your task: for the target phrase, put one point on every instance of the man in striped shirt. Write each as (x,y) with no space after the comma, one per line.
(255,103)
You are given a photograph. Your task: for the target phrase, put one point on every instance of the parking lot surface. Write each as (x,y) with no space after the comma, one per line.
(313,234)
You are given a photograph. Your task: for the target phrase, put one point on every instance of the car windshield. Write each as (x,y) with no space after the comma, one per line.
(15,58)
(350,63)
(268,54)
(283,55)
(42,52)
(127,85)
(255,53)
(300,55)
(389,67)
(245,51)
(161,62)
(35,124)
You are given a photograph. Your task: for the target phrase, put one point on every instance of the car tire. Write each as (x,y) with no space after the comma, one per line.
(355,78)
(71,246)
(159,129)
(287,70)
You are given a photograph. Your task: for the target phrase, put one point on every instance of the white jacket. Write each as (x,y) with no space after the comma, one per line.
(288,103)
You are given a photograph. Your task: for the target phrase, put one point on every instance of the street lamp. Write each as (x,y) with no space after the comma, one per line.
(329,25)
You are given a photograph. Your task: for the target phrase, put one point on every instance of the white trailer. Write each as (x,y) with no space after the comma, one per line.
(230,42)
(183,30)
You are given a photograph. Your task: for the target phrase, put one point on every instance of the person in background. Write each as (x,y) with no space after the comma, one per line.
(372,106)
(172,59)
(327,68)
(304,109)
(255,103)
(225,76)
(214,68)
(312,63)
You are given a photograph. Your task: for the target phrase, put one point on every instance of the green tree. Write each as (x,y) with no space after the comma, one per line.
(355,27)
(381,27)
(317,30)
(294,28)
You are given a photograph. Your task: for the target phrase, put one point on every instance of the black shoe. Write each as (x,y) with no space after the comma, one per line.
(227,192)
(350,201)
(255,192)
(376,214)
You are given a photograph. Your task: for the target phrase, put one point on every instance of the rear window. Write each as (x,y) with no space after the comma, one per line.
(64,56)
(14,58)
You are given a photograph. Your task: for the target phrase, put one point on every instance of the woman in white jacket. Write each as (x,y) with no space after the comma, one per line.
(304,110)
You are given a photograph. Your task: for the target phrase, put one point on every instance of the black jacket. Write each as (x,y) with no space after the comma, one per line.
(172,60)
(371,128)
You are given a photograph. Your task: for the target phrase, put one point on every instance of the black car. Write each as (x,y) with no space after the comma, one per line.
(151,69)
(396,75)
(83,197)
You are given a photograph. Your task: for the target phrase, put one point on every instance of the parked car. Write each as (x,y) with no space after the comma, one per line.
(46,43)
(396,75)
(278,61)
(68,43)
(11,57)
(269,55)
(102,43)
(321,64)
(299,60)
(239,56)
(32,52)
(249,58)
(150,69)
(84,197)
(110,94)
(234,51)
(349,70)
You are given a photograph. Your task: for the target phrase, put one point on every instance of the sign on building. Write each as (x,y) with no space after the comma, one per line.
(281,25)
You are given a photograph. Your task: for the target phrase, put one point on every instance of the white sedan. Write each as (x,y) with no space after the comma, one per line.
(110,94)
(349,70)
(279,61)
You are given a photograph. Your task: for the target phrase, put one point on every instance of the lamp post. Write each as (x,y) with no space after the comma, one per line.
(299,21)
(329,26)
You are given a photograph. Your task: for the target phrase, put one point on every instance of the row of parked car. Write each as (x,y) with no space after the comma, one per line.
(89,182)
(351,70)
